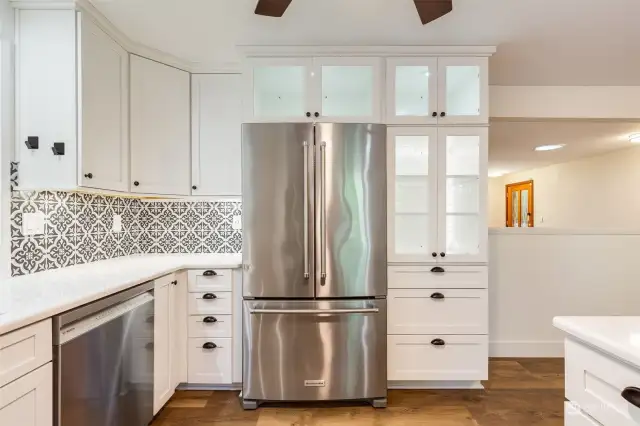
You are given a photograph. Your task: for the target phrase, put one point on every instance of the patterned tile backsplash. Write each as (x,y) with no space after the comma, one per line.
(78,228)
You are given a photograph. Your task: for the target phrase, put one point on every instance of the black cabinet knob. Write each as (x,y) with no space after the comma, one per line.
(434,254)
(209,296)
(434,114)
(210,319)
(632,395)
(317,114)
(437,342)
(174,282)
(437,296)
(194,187)
(437,269)
(209,345)
(136,183)
(442,114)
(88,175)
(308,114)
(209,273)
(442,254)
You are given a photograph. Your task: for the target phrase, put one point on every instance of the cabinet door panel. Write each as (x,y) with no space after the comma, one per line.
(463,87)
(162,386)
(412,90)
(216,134)
(104,111)
(28,401)
(160,123)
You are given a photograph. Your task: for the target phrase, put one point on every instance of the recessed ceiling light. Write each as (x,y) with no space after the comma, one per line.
(497,173)
(549,147)
(634,138)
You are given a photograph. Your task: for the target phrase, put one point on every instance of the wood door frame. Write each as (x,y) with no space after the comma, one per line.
(508,211)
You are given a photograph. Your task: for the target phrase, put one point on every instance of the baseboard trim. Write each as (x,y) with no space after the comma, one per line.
(526,349)
(205,387)
(435,384)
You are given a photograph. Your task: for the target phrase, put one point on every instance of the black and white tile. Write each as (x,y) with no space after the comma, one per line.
(78,228)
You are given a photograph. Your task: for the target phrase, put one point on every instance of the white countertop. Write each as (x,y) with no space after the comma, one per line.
(618,336)
(31,298)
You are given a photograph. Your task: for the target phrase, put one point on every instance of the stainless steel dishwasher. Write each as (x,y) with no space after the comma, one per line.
(103,361)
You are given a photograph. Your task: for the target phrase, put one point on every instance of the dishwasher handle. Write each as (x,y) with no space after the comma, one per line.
(314,311)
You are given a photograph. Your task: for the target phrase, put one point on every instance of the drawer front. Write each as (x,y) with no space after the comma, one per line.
(573,416)
(420,312)
(219,304)
(210,280)
(210,366)
(452,277)
(595,381)
(416,358)
(24,350)
(210,326)
(28,401)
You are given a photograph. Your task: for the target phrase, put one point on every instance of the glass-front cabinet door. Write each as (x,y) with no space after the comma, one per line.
(412,90)
(278,90)
(462,194)
(463,88)
(412,219)
(347,89)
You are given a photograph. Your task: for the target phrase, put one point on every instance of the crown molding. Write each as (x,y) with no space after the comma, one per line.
(387,51)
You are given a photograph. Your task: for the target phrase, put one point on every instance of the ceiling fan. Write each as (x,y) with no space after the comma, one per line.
(429,10)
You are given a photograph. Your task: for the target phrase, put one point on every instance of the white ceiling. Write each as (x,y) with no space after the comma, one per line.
(511,144)
(540,42)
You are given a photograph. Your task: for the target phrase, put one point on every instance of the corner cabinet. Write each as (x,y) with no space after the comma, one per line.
(323,89)
(437,189)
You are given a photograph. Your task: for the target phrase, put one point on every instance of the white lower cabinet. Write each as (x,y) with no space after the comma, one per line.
(28,401)
(210,325)
(210,361)
(162,386)
(573,416)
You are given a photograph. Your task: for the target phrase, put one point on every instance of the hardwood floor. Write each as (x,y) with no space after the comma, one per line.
(519,392)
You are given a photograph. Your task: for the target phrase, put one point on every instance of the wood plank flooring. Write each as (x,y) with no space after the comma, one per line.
(519,392)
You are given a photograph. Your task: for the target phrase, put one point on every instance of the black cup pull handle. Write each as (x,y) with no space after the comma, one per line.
(209,273)
(210,319)
(434,114)
(438,296)
(632,395)
(209,345)
(437,342)
(209,296)
(438,269)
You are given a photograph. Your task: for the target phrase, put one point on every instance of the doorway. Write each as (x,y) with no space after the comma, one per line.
(520,204)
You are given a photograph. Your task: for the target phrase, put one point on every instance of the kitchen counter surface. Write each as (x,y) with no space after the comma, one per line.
(618,336)
(31,298)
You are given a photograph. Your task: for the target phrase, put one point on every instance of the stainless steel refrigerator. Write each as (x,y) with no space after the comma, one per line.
(314,262)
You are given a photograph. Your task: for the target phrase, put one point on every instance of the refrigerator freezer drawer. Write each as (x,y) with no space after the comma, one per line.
(315,350)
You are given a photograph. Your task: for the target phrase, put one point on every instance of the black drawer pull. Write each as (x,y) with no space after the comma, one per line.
(209,273)
(438,269)
(209,345)
(437,342)
(209,296)
(437,296)
(632,395)
(210,319)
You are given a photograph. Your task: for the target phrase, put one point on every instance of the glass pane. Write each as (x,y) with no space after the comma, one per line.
(347,91)
(463,195)
(462,234)
(412,234)
(514,208)
(412,155)
(463,90)
(412,91)
(412,194)
(279,91)
(463,155)
(524,209)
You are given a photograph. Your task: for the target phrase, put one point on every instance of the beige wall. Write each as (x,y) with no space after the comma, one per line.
(600,192)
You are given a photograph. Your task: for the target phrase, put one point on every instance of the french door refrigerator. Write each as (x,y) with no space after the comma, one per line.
(314,262)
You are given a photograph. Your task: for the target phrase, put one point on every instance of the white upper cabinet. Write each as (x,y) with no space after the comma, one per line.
(313,89)
(216,134)
(443,91)
(71,92)
(160,126)
(104,136)
(437,189)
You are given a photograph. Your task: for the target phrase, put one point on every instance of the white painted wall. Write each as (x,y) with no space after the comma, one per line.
(6,128)
(593,193)
(537,274)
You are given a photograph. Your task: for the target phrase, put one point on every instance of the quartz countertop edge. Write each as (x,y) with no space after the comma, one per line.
(35,297)
(618,336)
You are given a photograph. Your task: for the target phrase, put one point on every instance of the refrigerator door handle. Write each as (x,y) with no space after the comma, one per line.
(306,209)
(314,311)
(323,212)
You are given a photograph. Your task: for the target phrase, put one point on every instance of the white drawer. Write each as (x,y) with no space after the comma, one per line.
(219,303)
(416,358)
(210,280)
(452,277)
(221,327)
(28,401)
(210,366)
(595,381)
(573,416)
(24,350)
(420,312)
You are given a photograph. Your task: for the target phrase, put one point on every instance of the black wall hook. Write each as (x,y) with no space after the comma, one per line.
(32,142)
(58,148)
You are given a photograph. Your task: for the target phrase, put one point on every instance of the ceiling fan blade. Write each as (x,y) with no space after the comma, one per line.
(430,10)
(275,8)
